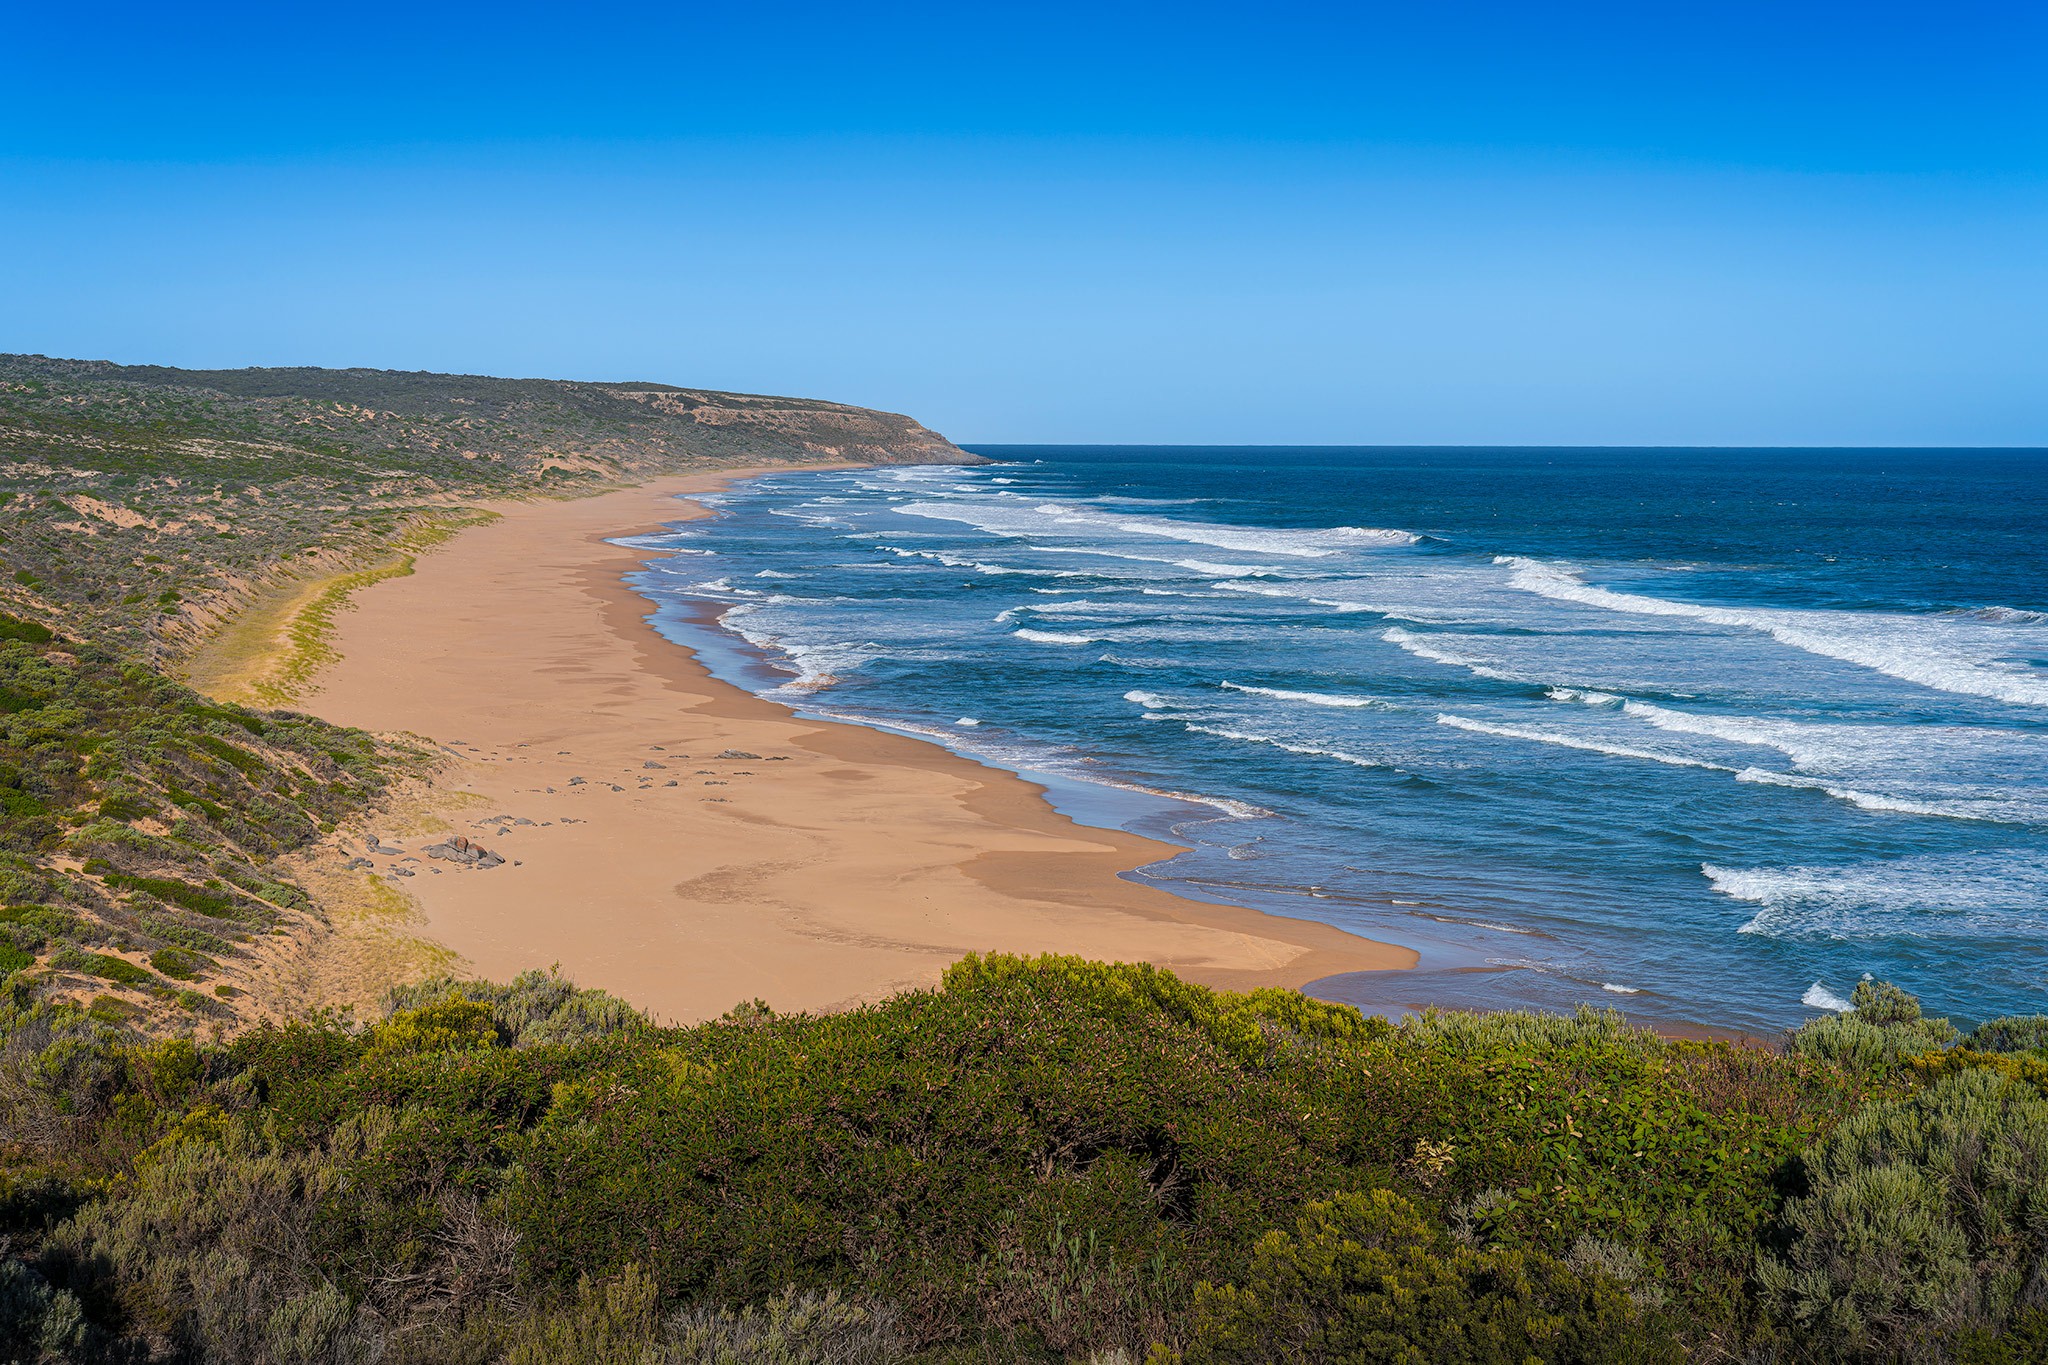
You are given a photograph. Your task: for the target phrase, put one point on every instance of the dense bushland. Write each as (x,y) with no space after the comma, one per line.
(1041,1160)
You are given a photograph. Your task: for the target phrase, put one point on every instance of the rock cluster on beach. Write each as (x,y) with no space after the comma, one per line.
(461,850)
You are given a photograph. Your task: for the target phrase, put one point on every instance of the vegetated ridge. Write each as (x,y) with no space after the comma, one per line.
(146,503)
(141,824)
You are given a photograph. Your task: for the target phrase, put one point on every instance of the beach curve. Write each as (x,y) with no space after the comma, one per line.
(832,864)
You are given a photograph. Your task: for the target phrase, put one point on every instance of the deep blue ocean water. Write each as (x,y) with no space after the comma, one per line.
(1703,734)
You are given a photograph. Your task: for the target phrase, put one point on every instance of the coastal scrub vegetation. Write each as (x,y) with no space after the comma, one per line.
(141,826)
(1039,1160)
(141,505)
(145,830)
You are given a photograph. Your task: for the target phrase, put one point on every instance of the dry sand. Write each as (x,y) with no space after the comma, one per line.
(859,863)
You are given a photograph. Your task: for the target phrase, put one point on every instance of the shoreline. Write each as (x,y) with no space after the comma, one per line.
(831,864)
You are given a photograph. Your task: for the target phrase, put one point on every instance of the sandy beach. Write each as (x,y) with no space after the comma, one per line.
(830,865)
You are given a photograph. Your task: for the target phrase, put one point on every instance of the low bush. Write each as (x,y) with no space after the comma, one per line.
(1883,1030)
(2014,1033)
(1922,1218)
(178,964)
(1040,1161)
(1365,1278)
(108,968)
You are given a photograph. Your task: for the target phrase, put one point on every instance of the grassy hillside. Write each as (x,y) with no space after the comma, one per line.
(143,508)
(140,505)
(1044,1160)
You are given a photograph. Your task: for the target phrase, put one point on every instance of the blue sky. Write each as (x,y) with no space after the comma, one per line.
(1433,223)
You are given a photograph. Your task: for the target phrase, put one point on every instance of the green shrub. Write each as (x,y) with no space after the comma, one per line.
(198,940)
(2028,1068)
(444,1026)
(13,959)
(14,628)
(607,1324)
(125,806)
(1922,1217)
(184,895)
(1883,1031)
(1880,1002)
(2015,1033)
(110,968)
(1365,1278)
(112,1009)
(59,1070)
(178,964)
(536,1009)
(37,1323)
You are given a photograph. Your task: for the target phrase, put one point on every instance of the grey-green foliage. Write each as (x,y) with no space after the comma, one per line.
(1924,1217)
(58,1068)
(2014,1033)
(37,1323)
(790,1329)
(1880,1002)
(536,1008)
(214,1246)
(1884,1030)
(617,1323)
(1519,1028)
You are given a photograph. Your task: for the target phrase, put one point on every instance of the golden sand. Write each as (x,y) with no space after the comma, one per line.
(839,866)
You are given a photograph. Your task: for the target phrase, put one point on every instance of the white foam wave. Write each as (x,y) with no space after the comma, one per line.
(1069,519)
(817,665)
(2005,616)
(1080,606)
(1572,742)
(1340,755)
(1946,895)
(1200,566)
(1867,800)
(1996,812)
(1806,745)
(1053,637)
(1335,604)
(1928,651)
(1151,701)
(1820,997)
(957,562)
(1416,645)
(1311,698)
(1621,990)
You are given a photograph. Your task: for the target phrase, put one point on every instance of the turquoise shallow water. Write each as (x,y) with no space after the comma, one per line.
(1707,735)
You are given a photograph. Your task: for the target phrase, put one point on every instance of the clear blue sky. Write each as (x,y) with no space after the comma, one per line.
(1545,222)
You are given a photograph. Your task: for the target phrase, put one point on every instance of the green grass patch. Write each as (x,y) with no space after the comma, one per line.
(110,968)
(184,895)
(178,963)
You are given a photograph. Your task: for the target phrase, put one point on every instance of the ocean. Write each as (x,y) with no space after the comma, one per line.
(1704,735)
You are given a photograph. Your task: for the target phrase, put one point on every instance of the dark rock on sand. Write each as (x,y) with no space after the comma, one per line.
(461,850)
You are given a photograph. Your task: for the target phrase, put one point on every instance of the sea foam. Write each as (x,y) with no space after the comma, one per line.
(1930,651)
